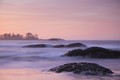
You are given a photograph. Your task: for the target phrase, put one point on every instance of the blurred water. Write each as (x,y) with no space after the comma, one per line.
(13,55)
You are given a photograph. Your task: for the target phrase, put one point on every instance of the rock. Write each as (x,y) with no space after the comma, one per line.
(73,53)
(56,46)
(94,52)
(98,52)
(55,39)
(76,45)
(82,68)
(36,46)
(70,45)
(59,46)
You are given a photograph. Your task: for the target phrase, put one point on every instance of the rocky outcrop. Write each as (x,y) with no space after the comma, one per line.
(76,45)
(94,52)
(36,46)
(82,68)
(55,39)
(59,46)
(70,45)
(74,53)
(56,46)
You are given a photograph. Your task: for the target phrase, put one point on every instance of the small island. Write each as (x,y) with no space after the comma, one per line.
(55,39)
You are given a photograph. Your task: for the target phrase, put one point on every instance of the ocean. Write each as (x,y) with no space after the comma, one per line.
(18,63)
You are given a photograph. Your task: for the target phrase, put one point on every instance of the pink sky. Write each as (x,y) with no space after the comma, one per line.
(69,19)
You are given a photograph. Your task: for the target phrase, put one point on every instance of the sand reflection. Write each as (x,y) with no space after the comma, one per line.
(29,74)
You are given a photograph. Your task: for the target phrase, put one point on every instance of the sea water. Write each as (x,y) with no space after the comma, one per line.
(18,63)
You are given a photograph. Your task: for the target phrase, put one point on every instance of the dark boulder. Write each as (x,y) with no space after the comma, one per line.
(73,53)
(94,52)
(56,46)
(36,46)
(55,39)
(76,45)
(59,46)
(82,68)
(70,45)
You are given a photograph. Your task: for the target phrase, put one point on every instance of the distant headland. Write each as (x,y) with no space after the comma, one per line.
(28,36)
(9,36)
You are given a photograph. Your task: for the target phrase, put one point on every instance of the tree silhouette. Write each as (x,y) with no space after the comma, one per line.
(30,36)
(9,36)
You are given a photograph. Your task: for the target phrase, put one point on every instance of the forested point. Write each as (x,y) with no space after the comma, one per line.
(9,36)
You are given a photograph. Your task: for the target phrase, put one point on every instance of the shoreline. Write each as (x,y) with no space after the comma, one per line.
(28,74)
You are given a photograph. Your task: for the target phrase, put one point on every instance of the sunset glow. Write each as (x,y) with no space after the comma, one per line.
(68,19)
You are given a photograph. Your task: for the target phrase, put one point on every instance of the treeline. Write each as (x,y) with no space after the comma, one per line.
(9,36)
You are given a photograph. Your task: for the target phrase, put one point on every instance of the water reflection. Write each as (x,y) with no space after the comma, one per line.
(33,74)
(29,74)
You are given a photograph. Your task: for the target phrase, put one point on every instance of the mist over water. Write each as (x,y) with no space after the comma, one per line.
(14,56)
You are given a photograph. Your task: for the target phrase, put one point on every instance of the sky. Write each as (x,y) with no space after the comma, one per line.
(68,19)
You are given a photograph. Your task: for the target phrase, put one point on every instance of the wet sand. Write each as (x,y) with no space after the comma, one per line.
(33,74)
(28,74)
